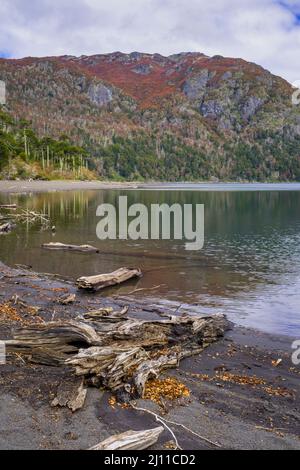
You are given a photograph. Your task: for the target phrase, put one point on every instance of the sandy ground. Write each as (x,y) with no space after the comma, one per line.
(235,414)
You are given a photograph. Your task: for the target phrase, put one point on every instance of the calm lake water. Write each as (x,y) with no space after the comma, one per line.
(249,267)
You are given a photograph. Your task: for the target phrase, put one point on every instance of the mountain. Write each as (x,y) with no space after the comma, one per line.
(144,116)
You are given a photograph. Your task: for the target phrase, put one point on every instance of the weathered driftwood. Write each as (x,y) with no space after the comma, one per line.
(131,440)
(95,283)
(107,314)
(51,343)
(61,246)
(110,366)
(67,299)
(151,369)
(71,395)
(8,206)
(29,217)
(118,353)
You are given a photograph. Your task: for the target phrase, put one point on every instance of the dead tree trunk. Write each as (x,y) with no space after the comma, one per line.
(118,353)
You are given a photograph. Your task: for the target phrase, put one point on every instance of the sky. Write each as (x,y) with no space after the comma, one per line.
(263,31)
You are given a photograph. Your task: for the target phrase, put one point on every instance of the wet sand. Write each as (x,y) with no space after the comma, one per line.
(239,399)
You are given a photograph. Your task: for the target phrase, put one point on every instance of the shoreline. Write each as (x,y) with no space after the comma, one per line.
(15,187)
(19,187)
(255,406)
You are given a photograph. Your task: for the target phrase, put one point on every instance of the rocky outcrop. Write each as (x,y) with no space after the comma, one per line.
(142,69)
(194,88)
(100,94)
(251,106)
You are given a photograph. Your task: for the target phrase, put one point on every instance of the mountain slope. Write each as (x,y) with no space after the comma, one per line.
(187,116)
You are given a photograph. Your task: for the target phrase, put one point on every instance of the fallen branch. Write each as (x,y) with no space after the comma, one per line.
(61,246)
(174,423)
(142,289)
(101,281)
(30,217)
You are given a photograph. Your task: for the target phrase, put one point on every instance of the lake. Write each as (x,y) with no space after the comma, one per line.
(249,267)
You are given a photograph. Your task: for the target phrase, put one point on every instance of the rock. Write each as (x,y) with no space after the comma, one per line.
(142,69)
(251,106)
(212,109)
(135,55)
(100,94)
(226,75)
(194,88)
(6,228)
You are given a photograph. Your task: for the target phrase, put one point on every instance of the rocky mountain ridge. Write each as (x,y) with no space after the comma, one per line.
(145,116)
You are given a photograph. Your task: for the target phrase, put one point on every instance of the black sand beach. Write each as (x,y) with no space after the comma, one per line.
(239,398)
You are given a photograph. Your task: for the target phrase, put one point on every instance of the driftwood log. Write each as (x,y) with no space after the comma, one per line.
(101,281)
(51,343)
(67,299)
(61,246)
(117,353)
(131,440)
(107,313)
(71,395)
(8,206)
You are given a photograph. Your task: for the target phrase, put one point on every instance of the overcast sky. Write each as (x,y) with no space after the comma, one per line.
(263,31)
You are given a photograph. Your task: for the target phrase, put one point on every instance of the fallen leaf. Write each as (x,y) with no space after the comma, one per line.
(276,363)
(169,388)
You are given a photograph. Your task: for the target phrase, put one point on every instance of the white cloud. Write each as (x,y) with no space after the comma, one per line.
(263,31)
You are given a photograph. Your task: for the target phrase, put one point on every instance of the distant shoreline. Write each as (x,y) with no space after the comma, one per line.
(51,186)
(14,187)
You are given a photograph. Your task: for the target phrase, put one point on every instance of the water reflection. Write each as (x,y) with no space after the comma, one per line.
(249,267)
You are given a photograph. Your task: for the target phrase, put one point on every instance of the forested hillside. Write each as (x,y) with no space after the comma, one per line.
(148,117)
(24,155)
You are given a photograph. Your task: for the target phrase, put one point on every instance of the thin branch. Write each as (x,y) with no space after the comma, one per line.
(145,288)
(164,421)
